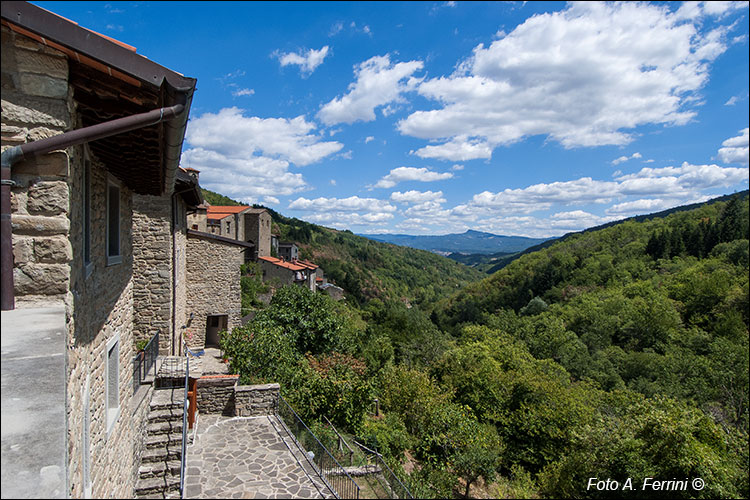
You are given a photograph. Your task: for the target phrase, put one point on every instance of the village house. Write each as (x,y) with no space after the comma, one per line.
(242,223)
(92,134)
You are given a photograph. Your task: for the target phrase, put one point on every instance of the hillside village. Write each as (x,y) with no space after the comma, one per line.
(108,245)
(133,367)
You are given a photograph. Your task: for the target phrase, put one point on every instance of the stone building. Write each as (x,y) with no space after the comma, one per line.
(69,289)
(159,257)
(288,251)
(258,231)
(213,294)
(242,223)
(280,272)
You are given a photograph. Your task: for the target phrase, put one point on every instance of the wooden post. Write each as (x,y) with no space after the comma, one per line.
(193,399)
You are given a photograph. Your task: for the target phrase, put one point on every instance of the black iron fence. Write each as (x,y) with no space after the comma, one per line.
(388,484)
(145,361)
(327,467)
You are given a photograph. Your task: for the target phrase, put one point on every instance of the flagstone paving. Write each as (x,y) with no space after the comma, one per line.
(247,457)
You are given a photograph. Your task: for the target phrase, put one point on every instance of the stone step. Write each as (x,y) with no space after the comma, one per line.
(156,485)
(164,427)
(159,469)
(164,454)
(166,399)
(168,415)
(162,440)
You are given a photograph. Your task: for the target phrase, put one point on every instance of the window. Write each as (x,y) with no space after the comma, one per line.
(112,379)
(113,223)
(87,217)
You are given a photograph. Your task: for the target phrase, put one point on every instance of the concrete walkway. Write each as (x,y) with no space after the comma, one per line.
(247,457)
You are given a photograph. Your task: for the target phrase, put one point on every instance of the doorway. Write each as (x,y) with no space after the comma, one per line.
(215,324)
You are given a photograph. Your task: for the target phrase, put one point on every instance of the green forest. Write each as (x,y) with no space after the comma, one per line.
(613,354)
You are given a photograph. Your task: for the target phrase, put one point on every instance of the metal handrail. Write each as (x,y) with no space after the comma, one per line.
(325,465)
(143,364)
(392,476)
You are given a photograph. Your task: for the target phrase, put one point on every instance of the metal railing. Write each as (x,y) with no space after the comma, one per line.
(184,427)
(328,468)
(145,361)
(389,483)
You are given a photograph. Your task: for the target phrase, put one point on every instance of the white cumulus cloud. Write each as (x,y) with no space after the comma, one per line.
(417,196)
(402,174)
(735,149)
(306,60)
(585,76)
(248,157)
(378,82)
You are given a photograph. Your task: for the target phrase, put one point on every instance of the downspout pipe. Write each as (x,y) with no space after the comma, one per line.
(13,155)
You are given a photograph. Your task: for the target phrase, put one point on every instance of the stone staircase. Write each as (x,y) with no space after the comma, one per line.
(159,473)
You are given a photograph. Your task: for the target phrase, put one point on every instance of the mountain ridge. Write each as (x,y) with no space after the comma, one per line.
(468,242)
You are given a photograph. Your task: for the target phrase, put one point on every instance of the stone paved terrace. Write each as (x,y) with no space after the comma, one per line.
(247,457)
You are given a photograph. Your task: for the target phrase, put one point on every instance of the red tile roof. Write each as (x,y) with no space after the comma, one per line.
(293,266)
(216,210)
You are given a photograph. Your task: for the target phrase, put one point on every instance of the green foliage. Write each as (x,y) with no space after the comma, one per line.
(251,284)
(658,438)
(218,199)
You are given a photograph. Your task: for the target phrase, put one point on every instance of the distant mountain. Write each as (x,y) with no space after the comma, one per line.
(470,242)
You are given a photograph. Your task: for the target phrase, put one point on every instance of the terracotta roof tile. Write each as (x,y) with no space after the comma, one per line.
(225,210)
(282,263)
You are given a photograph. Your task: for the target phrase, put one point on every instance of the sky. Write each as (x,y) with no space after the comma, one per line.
(516,118)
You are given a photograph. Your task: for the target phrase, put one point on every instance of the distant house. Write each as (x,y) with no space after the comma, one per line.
(288,251)
(88,127)
(242,223)
(288,273)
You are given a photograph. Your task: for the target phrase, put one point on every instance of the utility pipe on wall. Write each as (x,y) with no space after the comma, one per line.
(15,154)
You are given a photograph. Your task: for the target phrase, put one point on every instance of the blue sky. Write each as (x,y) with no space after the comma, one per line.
(518,118)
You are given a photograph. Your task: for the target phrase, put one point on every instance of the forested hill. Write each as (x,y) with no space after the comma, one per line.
(647,248)
(368,269)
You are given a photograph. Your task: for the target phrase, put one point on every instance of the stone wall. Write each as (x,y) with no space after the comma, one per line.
(256,400)
(197,220)
(139,409)
(221,394)
(276,274)
(152,269)
(213,285)
(180,274)
(35,105)
(46,216)
(101,310)
(215,394)
(258,230)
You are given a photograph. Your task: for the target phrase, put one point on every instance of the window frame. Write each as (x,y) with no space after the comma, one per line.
(113,259)
(111,413)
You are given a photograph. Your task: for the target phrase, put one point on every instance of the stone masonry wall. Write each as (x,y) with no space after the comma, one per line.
(35,105)
(256,400)
(215,394)
(180,274)
(276,274)
(213,285)
(102,309)
(46,216)
(221,394)
(152,268)
(258,230)
(139,410)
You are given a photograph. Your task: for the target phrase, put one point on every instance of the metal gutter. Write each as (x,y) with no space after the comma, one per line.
(17,153)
